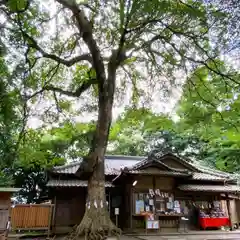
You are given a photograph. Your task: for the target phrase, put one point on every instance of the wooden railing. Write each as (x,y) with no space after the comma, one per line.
(31,217)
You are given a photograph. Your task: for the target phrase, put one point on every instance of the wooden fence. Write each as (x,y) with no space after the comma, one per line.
(31,217)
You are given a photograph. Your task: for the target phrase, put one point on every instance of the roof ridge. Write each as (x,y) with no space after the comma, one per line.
(71,164)
(125,156)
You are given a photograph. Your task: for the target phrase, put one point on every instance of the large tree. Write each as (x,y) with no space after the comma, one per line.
(97,51)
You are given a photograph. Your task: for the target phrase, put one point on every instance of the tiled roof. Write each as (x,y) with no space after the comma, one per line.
(210,171)
(113,165)
(68,168)
(210,188)
(72,183)
(197,165)
(206,176)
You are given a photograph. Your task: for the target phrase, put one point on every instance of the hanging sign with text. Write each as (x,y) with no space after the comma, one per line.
(116,211)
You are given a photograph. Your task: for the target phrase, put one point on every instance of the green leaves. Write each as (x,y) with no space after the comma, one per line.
(43,149)
(17,5)
(139,131)
(65,105)
(122,15)
(209,108)
(5,179)
(81,75)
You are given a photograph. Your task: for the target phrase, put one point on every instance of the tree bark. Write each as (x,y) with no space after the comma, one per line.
(96,223)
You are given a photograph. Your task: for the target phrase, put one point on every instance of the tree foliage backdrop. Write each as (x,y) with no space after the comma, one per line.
(76,57)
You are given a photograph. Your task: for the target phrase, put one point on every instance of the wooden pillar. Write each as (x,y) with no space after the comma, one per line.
(229,211)
(154,197)
(238,210)
(109,203)
(54,210)
(50,219)
(130,202)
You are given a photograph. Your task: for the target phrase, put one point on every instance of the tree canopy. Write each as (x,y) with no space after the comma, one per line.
(211,111)
(77,58)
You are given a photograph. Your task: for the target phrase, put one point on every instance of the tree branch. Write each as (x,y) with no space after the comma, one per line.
(85,28)
(77,93)
(191,59)
(142,25)
(121,55)
(33,43)
(204,63)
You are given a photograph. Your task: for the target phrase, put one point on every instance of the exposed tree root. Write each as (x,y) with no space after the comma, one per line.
(96,225)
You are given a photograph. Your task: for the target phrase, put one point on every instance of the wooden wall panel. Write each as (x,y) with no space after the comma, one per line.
(3,219)
(70,206)
(238,210)
(144,182)
(172,163)
(5,200)
(233,211)
(224,206)
(165,183)
(31,216)
(162,182)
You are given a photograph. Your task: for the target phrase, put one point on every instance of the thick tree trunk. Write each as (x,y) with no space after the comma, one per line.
(96,223)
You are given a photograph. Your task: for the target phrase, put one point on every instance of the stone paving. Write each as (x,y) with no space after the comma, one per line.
(198,236)
(188,237)
(204,236)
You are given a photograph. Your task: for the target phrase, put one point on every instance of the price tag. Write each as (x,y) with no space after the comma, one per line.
(116,211)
